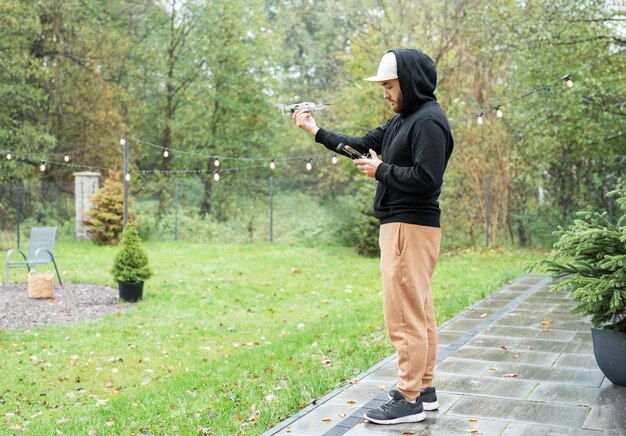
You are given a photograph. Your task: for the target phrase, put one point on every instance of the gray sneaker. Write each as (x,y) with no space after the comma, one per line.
(428,397)
(396,411)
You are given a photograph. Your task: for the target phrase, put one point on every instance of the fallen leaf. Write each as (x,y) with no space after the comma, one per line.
(484,315)
(511,375)
(472,420)
(473,430)
(288,429)
(342,415)
(351,402)
(326,419)
(504,347)
(381,387)
(493,368)
(296,270)
(408,432)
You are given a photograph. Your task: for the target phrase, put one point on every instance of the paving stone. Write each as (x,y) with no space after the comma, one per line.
(358,395)
(545,343)
(388,370)
(584,335)
(568,376)
(579,347)
(514,320)
(529,332)
(438,425)
(463,325)
(609,412)
(501,355)
(522,429)
(448,337)
(520,411)
(587,361)
(463,366)
(565,394)
(313,423)
(491,386)
(479,313)
(490,305)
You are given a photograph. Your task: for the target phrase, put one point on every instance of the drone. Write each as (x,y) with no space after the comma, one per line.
(306,105)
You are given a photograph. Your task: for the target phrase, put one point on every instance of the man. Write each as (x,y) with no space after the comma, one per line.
(415,145)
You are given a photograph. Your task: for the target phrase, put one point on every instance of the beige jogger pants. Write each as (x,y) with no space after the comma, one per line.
(408,255)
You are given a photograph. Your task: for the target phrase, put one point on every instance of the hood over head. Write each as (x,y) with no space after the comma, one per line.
(418,77)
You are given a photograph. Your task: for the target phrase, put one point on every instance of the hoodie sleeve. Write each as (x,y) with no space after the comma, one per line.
(428,149)
(372,139)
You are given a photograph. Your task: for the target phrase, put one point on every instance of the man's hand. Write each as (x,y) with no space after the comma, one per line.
(305,121)
(368,166)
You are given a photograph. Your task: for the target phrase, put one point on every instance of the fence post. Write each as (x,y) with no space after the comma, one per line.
(271,208)
(124,142)
(18,194)
(488,201)
(176,210)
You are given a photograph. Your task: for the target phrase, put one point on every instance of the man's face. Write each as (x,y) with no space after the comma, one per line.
(393,94)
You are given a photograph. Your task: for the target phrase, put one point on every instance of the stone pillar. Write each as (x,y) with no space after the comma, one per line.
(86,184)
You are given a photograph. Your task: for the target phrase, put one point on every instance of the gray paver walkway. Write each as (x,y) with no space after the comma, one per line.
(516,363)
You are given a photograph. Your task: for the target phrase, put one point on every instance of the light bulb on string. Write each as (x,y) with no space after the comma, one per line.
(66,158)
(166,153)
(479,120)
(216,162)
(272,164)
(127,176)
(334,159)
(499,112)
(42,166)
(309,165)
(9,156)
(123,140)
(216,176)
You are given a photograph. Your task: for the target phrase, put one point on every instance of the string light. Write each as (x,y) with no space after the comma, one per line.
(499,112)
(216,176)
(479,120)
(216,162)
(9,155)
(166,153)
(42,166)
(127,176)
(309,165)
(334,159)
(272,164)
(568,80)
(66,158)
(123,140)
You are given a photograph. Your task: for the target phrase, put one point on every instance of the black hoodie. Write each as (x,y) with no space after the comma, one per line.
(415,146)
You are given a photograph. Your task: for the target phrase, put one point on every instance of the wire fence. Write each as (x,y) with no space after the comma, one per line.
(272,209)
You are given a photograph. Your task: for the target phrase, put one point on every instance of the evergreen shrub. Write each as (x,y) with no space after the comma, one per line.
(105,218)
(590,257)
(130,264)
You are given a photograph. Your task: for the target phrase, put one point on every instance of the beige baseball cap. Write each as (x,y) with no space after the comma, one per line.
(387,69)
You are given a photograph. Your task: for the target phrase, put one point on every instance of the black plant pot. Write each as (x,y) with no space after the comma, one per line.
(131,292)
(609,348)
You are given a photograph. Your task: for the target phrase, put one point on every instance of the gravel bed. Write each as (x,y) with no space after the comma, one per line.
(74,302)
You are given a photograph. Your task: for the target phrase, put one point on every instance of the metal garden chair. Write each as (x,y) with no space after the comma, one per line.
(40,251)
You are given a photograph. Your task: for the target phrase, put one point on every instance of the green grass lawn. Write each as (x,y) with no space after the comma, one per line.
(228,338)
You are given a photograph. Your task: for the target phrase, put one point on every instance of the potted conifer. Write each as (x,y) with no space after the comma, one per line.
(130,266)
(590,259)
